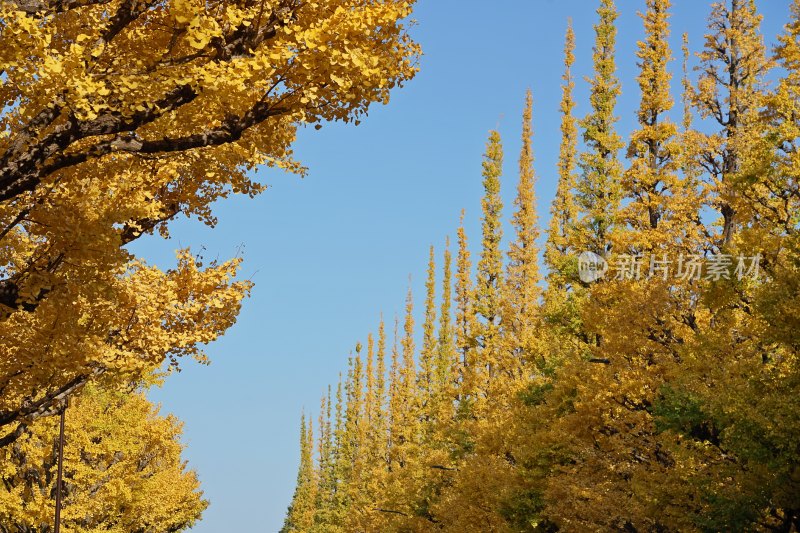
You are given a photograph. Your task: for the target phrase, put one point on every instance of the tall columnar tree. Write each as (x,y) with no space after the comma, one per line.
(598,188)
(562,247)
(448,364)
(354,403)
(487,370)
(403,401)
(427,357)
(360,413)
(330,479)
(407,444)
(564,209)
(370,403)
(686,84)
(522,291)
(446,361)
(782,183)
(370,463)
(325,459)
(375,456)
(380,422)
(661,203)
(408,372)
(300,517)
(490,264)
(395,397)
(475,489)
(465,315)
(730,91)
(489,280)
(334,477)
(768,182)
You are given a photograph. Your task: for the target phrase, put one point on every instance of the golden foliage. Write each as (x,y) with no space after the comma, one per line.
(119,116)
(635,403)
(123,470)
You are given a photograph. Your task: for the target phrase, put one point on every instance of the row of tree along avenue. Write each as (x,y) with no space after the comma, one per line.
(116,117)
(648,377)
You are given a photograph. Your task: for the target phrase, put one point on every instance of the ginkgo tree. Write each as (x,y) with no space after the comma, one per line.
(657,399)
(123,469)
(119,115)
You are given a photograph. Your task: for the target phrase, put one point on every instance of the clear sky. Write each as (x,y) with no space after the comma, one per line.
(330,252)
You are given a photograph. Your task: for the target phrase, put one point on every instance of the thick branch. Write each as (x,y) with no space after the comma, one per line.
(21,173)
(392,511)
(229,131)
(33,410)
(44,7)
(14,435)
(133,231)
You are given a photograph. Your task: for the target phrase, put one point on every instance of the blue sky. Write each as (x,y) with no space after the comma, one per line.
(330,252)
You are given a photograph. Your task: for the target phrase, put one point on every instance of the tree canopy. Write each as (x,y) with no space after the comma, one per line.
(119,115)
(658,395)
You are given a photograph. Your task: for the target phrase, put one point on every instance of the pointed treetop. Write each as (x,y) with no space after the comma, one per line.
(731,90)
(686,94)
(428,352)
(598,187)
(465,311)
(408,371)
(490,265)
(523,253)
(658,199)
(564,210)
(522,280)
(446,358)
(370,403)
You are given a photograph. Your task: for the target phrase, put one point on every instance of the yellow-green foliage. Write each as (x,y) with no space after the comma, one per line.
(123,470)
(119,116)
(650,403)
